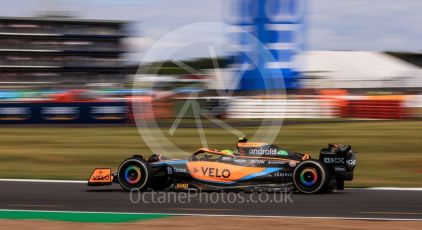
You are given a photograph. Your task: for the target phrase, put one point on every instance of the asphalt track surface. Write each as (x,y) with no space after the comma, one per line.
(350,203)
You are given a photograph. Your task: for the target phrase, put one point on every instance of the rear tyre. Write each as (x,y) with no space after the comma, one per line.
(135,173)
(311,177)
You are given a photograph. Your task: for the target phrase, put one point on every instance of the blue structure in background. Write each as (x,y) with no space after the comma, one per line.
(279,25)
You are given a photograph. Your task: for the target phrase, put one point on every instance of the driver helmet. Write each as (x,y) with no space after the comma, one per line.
(227,152)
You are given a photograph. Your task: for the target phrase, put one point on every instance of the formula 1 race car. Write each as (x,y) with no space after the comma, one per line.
(253,167)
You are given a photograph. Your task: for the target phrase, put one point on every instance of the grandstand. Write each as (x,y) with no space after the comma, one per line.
(61,53)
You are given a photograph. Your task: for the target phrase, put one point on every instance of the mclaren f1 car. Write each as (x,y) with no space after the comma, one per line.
(253,167)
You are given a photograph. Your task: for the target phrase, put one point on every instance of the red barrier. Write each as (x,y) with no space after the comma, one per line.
(375,108)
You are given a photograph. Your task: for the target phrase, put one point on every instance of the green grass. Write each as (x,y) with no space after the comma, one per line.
(91,217)
(389,152)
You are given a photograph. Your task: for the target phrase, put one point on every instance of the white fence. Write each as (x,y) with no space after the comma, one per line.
(279,108)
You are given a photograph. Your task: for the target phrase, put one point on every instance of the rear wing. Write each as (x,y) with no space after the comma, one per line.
(340,160)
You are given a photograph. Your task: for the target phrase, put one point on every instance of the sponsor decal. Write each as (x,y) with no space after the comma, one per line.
(239,161)
(60,113)
(282,153)
(276,162)
(180,170)
(15,113)
(334,160)
(108,109)
(108,112)
(260,151)
(257,162)
(351,162)
(215,172)
(182,186)
(292,164)
(221,172)
(281,174)
(100,177)
(226,158)
(59,110)
(169,170)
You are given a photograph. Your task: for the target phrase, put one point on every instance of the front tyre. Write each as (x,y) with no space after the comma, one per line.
(311,177)
(135,173)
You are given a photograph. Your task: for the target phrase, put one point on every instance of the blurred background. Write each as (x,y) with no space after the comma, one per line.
(339,71)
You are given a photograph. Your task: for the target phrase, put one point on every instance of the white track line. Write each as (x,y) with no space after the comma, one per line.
(84,182)
(395,189)
(216,215)
(44,181)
